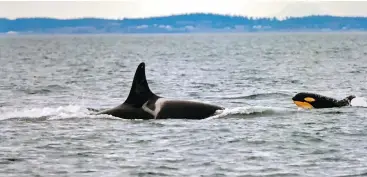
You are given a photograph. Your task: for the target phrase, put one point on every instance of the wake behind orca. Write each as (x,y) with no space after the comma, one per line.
(310,100)
(142,103)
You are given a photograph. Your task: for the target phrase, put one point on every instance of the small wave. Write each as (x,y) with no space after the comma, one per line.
(256,96)
(333,112)
(330,111)
(36,91)
(10,160)
(355,175)
(41,90)
(255,111)
(359,102)
(49,113)
(75,111)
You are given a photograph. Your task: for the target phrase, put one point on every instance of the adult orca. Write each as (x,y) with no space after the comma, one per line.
(312,100)
(142,103)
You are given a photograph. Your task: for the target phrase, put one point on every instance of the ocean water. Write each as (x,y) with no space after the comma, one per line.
(48,82)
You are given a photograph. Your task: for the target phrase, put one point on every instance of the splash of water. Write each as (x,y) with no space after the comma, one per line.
(359,102)
(76,111)
(49,113)
(249,110)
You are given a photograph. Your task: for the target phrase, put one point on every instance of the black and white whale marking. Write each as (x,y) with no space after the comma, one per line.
(311,100)
(162,108)
(142,103)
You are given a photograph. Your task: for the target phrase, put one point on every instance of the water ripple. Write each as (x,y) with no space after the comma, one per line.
(52,85)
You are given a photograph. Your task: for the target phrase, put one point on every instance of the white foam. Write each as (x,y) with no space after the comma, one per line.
(246,111)
(359,102)
(76,111)
(51,113)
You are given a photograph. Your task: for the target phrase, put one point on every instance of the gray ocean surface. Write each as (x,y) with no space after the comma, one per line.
(48,81)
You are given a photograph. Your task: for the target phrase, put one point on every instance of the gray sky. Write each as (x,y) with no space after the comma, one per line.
(145,8)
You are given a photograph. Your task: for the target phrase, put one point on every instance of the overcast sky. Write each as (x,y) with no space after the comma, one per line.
(145,8)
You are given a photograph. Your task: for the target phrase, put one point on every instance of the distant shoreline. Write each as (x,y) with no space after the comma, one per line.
(195,33)
(179,24)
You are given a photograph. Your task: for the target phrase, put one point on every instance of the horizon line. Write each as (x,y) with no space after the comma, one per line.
(182,14)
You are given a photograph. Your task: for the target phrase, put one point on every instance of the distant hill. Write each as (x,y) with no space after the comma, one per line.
(185,23)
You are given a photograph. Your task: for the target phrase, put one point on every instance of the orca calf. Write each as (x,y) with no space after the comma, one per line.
(142,103)
(311,100)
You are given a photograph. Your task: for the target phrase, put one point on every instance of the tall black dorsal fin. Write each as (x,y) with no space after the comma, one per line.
(139,92)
